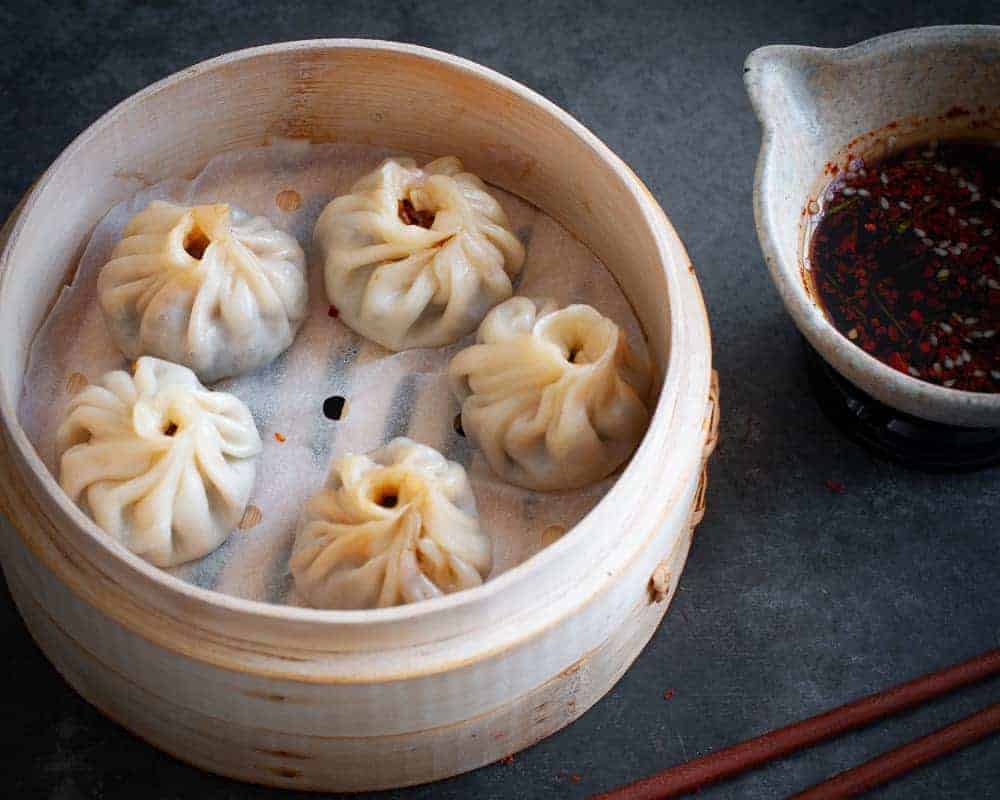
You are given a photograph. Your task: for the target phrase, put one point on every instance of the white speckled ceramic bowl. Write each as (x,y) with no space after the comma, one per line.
(822,108)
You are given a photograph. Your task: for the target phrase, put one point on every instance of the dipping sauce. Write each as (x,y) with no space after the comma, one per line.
(905,258)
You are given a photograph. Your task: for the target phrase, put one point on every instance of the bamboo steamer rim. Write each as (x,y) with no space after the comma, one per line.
(672,258)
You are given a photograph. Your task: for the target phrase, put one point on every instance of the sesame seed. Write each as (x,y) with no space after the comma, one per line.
(989,334)
(949,364)
(951,211)
(884,178)
(971,320)
(979,373)
(849,190)
(940,168)
(955,251)
(913,371)
(936,367)
(852,333)
(995,374)
(920,232)
(884,203)
(944,325)
(864,193)
(975,197)
(949,383)
(863,172)
(987,231)
(904,205)
(966,357)
(975,221)
(942,252)
(996,260)
(927,242)
(934,340)
(993,283)
(963,224)
(994,202)
(972,187)
(927,198)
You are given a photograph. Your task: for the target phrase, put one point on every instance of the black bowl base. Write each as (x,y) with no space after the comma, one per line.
(891,434)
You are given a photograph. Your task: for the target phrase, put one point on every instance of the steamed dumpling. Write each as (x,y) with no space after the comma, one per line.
(209,287)
(415,257)
(554,398)
(395,526)
(161,463)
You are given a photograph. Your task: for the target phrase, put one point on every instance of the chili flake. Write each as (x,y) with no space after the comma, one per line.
(907,265)
(280,437)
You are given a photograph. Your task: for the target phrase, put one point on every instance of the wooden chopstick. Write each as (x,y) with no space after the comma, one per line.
(752,753)
(886,767)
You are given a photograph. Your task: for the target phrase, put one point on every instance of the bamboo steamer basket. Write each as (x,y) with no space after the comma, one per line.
(357,700)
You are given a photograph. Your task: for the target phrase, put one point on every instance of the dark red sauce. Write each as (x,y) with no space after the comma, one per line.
(906,260)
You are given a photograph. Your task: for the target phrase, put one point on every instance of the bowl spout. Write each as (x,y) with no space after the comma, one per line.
(779,81)
(909,75)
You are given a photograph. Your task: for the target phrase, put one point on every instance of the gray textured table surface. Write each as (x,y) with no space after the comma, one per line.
(795,598)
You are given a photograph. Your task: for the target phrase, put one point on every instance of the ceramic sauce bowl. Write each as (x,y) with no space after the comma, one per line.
(821,109)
